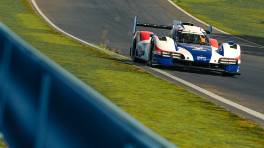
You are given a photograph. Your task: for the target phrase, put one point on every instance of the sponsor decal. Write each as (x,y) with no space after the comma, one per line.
(199,48)
(200,53)
(201,58)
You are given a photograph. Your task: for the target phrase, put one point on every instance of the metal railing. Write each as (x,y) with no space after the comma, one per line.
(42,105)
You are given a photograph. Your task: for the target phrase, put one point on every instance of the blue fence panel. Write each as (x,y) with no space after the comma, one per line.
(42,105)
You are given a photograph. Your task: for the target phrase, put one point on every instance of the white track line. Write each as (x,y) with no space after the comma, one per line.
(206,92)
(56,27)
(70,35)
(135,122)
(195,18)
(246,45)
(212,95)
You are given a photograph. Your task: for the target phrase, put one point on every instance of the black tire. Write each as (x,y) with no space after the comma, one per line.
(133,52)
(150,59)
(228,74)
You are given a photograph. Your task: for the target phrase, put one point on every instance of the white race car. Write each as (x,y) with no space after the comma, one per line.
(187,45)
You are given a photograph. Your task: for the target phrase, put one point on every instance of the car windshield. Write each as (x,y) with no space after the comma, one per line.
(191,38)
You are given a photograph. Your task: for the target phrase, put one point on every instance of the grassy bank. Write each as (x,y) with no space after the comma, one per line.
(182,117)
(239,17)
(2,144)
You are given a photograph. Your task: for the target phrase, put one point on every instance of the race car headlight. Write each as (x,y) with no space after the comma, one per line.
(166,54)
(157,52)
(177,56)
(227,61)
(169,54)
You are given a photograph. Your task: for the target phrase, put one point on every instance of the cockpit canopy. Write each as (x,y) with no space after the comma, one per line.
(191,38)
(188,33)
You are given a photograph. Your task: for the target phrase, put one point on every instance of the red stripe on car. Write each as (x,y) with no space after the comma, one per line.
(214,42)
(145,35)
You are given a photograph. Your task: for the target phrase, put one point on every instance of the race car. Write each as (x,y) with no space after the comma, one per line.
(186,45)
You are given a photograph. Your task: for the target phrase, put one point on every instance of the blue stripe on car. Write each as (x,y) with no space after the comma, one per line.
(232,68)
(165,61)
(200,53)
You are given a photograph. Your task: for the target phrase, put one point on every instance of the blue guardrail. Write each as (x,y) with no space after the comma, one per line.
(42,105)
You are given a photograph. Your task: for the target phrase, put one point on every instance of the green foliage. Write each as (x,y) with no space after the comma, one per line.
(182,117)
(2,144)
(239,17)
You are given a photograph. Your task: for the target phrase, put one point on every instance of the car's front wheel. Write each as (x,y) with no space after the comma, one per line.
(133,52)
(228,74)
(150,55)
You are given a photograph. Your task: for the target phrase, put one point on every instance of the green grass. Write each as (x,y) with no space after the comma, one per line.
(182,117)
(239,17)
(2,143)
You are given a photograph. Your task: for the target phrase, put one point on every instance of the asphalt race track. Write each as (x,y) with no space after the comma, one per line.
(110,21)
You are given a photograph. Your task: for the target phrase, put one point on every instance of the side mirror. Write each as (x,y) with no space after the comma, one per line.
(209,30)
(177,25)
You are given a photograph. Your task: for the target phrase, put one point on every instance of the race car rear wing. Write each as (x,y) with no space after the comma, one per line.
(136,24)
